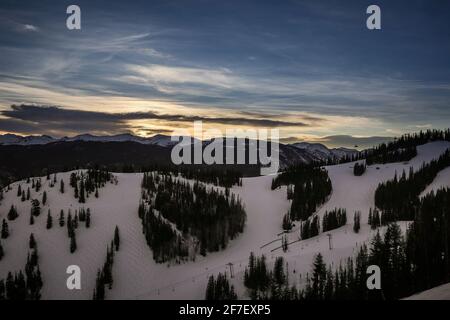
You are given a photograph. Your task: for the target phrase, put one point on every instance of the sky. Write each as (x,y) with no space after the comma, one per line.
(311,69)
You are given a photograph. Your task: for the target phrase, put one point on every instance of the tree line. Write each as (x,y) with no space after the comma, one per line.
(104,275)
(398,199)
(311,188)
(409,263)
(403,148)
(27,284)
(187,216)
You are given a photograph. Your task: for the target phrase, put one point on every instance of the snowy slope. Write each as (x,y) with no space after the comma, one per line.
(137,276)
(8,139)
(322,152)
(438,293)
(442,180)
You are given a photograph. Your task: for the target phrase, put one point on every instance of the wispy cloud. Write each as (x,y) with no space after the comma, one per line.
(30,27)
(52,119)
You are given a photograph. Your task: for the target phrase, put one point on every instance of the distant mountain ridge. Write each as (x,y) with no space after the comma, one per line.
(318,149)
(290,154)
(12,139)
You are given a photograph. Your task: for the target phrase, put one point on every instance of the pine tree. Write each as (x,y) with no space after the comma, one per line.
(76,191)
(75,221)
(23,196)
(31,221)
(61,186)
(116,238)
(32,242)
(70,228)
(5,230)
(19,191)
(2,254)
(28,193)
(44,198)
(88,218)
(38,185)
(287,223)
(73,243)
(35,207)
(12,213)
(329,285)
(356,221)
(82,198)
(49,220)
(99,291)
(210,289)
(279,275)
(61,218)
(318,277)
(284,243)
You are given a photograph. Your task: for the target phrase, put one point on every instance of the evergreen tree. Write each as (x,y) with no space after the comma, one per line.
(28,193)
(31,220)
(220,289)
(318,277)
(19,191)
(356,221)
(359,169)
(287,223)
(279,276)
(35,207)
(49,220)
(44,198)
(284,243)
(76,191)
(38,185)
(23,196)
(210,290)
(75,221)
(73,243)
(99,291)
(61,186)
(5,230)
(88,219)
(32,242)
(12,213)
(61,218)
(329,285)
(116,238)
(82,198)
(2,254)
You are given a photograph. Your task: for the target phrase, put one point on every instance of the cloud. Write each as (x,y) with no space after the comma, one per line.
(166,74)
(30,27)
(346,141)
(55,120)
(353,142)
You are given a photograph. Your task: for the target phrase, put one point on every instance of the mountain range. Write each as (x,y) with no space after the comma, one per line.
(289,153)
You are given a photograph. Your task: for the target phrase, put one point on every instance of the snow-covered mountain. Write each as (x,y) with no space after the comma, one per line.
(137,276)
(159,139)
(322,152)
(302,152)
(12,139)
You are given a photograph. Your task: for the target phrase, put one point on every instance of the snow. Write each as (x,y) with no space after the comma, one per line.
(442,180)
(322,152)
(137,276)
(10,139)
(160,140)
(438,293)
